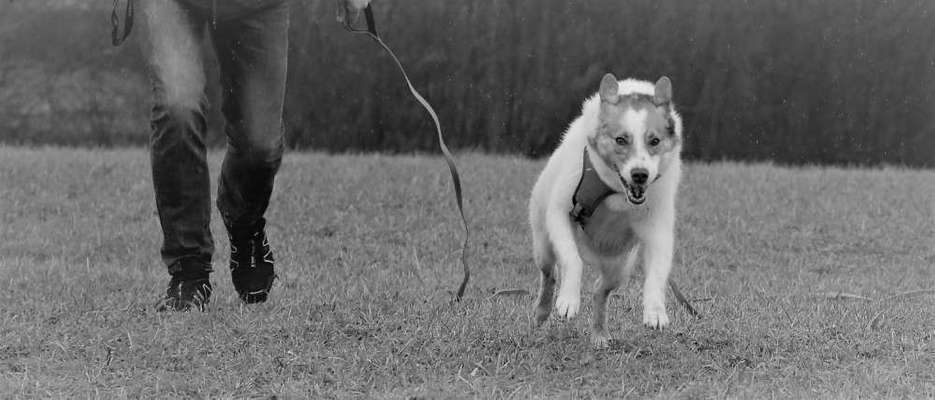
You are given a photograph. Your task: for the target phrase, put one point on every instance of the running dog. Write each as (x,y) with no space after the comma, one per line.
(607,198)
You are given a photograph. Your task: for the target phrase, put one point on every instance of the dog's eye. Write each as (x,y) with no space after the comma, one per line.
(622,140)
(654,141)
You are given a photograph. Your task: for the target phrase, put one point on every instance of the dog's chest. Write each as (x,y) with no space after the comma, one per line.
(609,231)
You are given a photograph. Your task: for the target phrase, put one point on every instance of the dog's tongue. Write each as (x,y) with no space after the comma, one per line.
(637,192)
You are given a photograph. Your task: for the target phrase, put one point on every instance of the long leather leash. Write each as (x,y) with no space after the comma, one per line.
(371,31)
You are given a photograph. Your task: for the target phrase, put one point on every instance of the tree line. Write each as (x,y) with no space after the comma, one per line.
(810,81)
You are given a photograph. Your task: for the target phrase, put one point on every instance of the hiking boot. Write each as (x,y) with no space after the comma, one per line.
(251,263)
(187,292)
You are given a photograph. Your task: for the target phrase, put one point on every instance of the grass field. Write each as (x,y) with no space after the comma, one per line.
(367,250)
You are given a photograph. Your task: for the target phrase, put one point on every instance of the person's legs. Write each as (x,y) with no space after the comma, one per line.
(180,170)
(252,53)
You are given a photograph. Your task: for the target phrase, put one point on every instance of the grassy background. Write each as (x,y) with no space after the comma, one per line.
(367,256)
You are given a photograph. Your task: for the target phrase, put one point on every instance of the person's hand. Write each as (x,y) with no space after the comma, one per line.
(349,10)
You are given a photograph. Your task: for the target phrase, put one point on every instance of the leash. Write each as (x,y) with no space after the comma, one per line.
(682,300)
(371,31)
(116,38)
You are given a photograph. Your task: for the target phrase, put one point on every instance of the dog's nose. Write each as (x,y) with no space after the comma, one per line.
(639,175)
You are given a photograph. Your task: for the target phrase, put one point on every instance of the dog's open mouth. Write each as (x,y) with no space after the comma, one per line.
(636,194)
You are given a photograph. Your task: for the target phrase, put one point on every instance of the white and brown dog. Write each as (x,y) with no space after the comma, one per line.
(607,197)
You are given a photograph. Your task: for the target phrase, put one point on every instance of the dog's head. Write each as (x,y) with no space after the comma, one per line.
(638,133)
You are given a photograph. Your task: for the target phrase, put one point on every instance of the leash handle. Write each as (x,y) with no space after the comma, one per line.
(371,24)
(115,37)
(371,31)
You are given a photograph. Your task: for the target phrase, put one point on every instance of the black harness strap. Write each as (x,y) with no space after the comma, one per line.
(589,194)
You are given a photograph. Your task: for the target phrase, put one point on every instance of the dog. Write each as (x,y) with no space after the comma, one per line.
(606,198)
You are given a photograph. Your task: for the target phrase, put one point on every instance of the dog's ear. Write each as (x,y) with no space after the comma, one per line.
(663,92)
(592,140)
(609,88)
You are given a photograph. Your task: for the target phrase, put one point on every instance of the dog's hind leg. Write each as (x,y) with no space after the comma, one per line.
(545,261)
(612,275)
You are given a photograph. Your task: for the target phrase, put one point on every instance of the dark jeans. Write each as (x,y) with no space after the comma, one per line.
(251,42)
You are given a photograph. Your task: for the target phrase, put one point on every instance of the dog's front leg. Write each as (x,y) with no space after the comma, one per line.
(657,262)
(561,233)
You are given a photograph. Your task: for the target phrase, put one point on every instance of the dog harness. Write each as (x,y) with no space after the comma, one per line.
(589,194)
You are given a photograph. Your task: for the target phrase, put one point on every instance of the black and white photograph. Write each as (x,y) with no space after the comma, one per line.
(502,199)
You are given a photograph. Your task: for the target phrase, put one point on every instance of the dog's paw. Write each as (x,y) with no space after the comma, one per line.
(566,307)
(600,340)
(542,314)
(655,318)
